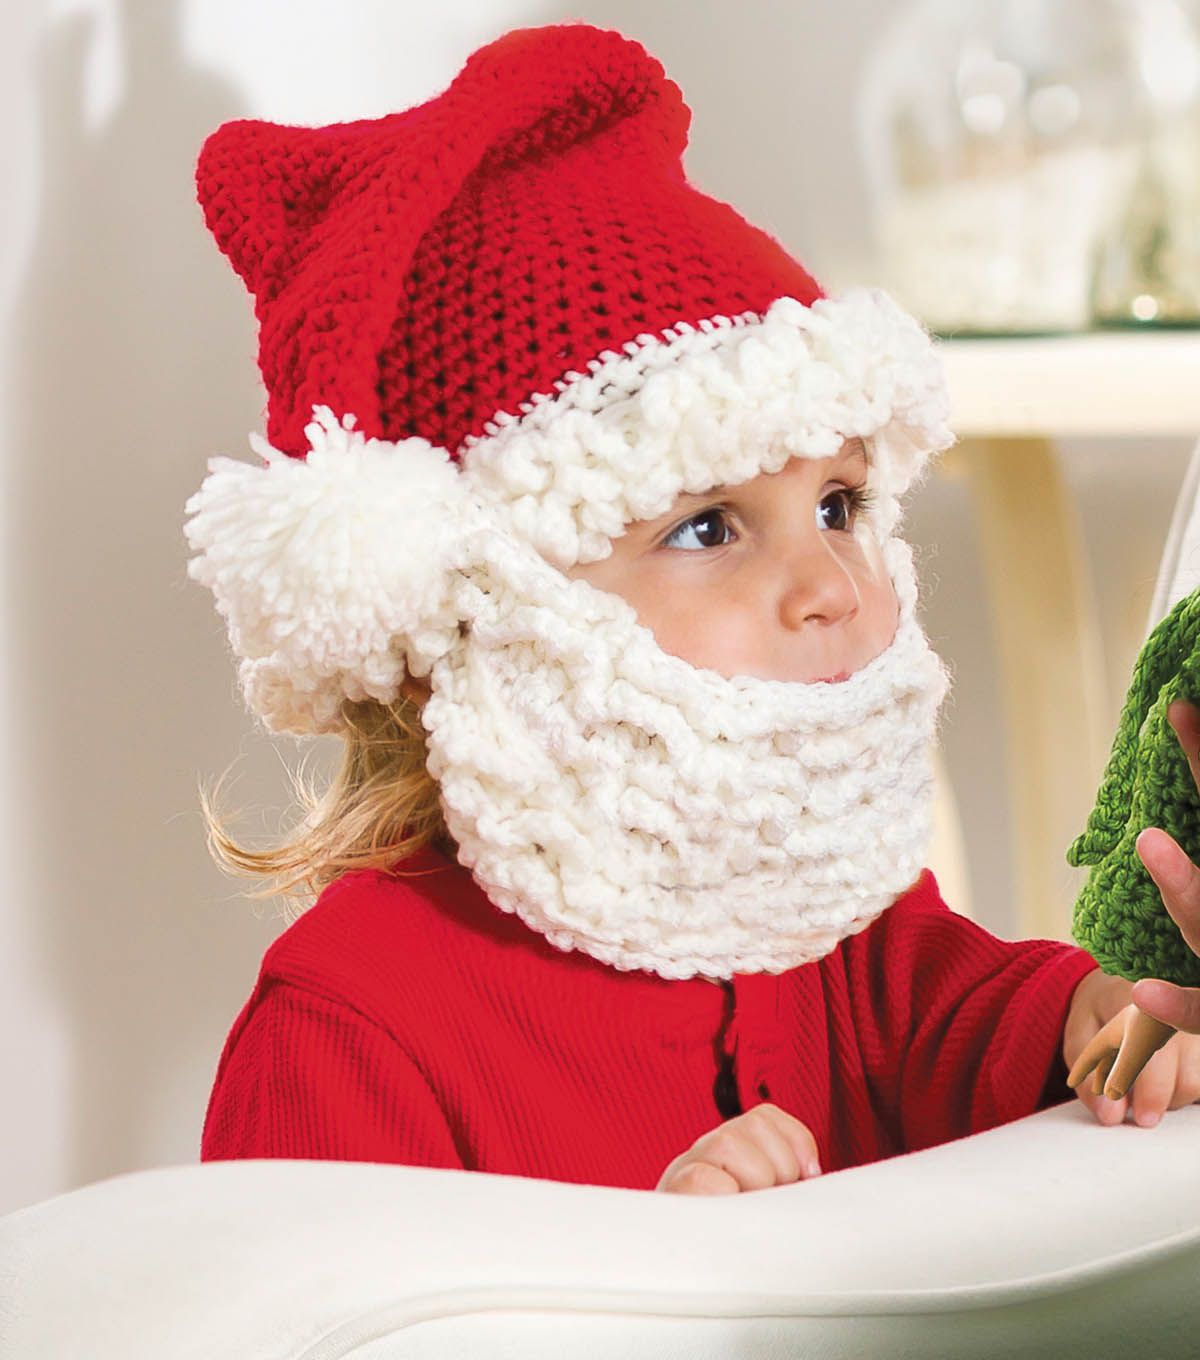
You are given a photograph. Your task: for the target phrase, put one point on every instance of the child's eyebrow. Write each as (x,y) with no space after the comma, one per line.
(852,451)
(855,450)
(686,498)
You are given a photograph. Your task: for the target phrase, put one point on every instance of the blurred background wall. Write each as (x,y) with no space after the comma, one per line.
(127,358)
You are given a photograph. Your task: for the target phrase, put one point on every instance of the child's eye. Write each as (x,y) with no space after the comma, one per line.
(708,529)
(839,509)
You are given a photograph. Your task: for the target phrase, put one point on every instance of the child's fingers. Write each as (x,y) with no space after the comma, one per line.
(1118,1051)
(799,1139)
(1187,1079)
(755,1161)
(1170,1081)
(729,1149)
(1154,1069)
(1178,1007)
(1185,720)
(1104,1110)
(1097,1058)
(1150,1096)
(761,1148)
(698,1178)
(1176,878)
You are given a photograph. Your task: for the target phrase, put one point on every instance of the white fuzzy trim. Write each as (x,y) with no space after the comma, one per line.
(332,571)
(337,573)
(714,405)
(659,816)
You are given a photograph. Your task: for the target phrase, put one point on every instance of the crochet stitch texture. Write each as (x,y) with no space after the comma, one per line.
(515,280)
(494,330)
(1119,915)
(426,270)
(659,816)
(338,572)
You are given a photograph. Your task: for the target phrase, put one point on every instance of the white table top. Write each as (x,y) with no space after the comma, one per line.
(1099,383)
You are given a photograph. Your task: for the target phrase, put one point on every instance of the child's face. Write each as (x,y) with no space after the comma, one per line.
(776,578)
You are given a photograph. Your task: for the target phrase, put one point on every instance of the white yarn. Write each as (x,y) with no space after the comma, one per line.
(656,816)
(714,405)
(338,572)
(618,799)
(332,571)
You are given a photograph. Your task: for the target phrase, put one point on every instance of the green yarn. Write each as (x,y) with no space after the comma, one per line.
(1119,915)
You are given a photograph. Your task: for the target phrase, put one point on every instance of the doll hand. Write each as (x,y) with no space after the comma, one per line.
(763,1147)
(1135,1054)
(1117,1055)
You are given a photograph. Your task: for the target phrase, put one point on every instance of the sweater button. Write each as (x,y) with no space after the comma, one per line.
(725,1093)
(764,1091)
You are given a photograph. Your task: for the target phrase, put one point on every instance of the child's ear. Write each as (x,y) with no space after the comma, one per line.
(415,691)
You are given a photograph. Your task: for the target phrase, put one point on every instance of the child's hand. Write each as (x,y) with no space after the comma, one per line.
(763,1147)
(1101,1017)
(1103,1033)
(1178,880)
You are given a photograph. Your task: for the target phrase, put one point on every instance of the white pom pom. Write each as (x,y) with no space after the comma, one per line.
(324,567)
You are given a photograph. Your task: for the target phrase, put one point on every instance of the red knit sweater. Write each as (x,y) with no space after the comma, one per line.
(405,1019)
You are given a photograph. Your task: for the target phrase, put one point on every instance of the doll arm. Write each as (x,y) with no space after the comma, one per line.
(307,1076)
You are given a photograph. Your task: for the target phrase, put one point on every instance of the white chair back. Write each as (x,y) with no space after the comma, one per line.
(1179,570)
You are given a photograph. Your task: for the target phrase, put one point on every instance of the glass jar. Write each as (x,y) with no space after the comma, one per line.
(1007,148)
(1148,267)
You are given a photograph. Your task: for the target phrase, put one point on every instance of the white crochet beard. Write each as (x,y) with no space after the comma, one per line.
(657,816)
(619,800)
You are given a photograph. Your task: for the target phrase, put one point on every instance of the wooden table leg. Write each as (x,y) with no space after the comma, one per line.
(1051,662)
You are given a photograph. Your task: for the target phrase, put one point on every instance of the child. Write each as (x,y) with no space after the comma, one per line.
(578,522)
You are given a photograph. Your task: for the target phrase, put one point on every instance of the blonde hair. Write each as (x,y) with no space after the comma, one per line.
(380,806)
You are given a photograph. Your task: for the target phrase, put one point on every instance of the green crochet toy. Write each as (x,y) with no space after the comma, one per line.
(1119,915)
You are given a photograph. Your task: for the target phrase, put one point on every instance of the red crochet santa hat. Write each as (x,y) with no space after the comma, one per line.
(517,278)
(432,268)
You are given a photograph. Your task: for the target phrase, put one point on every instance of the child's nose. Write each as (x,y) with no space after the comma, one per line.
(819,588)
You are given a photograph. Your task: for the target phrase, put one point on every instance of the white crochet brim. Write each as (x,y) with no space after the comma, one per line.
(335,573)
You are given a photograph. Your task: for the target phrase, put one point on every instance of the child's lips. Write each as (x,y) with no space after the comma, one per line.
(834,679)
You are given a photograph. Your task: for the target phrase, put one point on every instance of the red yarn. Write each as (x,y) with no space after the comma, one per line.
(428,270)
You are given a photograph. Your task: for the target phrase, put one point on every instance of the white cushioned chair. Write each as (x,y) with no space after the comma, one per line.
(1048,1237)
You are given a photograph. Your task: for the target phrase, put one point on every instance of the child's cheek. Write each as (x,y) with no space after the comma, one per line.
(865,552)
(879,609)
(868,543)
